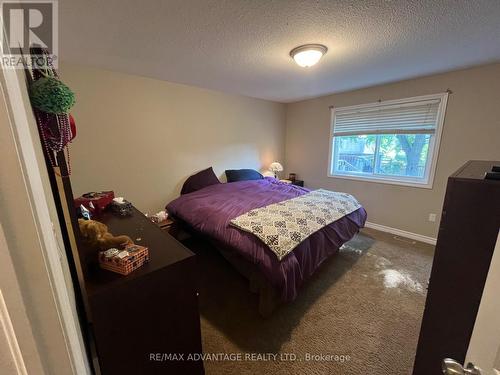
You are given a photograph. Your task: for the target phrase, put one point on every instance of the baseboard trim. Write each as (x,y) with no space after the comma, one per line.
(402,233)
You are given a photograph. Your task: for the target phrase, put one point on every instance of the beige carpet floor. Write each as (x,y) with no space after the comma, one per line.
(364,305)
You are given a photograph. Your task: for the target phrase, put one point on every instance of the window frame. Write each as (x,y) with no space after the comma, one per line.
(434,145)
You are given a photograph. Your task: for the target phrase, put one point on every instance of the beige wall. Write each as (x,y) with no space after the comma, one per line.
(471,131)
(142,137)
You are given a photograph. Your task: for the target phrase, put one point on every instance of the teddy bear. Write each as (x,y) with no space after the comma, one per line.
(98,236)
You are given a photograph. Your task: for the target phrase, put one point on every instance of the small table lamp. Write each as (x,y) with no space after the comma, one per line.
(275,168)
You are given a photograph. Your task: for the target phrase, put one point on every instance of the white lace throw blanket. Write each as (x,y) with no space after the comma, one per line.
(284,225)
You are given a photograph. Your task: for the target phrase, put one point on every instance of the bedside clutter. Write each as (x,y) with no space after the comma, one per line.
(292,179)
(294,182)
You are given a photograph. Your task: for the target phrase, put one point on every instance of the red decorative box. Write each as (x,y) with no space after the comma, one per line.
(99,200)
(124,261)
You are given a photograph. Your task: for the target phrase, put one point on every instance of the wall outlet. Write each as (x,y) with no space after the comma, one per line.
(432,217)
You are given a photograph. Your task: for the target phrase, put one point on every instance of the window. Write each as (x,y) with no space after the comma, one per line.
(391,142)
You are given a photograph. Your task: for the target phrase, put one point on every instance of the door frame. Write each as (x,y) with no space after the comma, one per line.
(23,129)
(484,344)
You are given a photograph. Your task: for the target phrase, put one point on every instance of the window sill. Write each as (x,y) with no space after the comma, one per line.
(427,185)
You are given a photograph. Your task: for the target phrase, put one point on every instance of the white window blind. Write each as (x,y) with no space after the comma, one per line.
(394,141)
(415,117)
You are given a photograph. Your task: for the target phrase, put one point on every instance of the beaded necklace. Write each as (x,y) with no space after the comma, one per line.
(55,129)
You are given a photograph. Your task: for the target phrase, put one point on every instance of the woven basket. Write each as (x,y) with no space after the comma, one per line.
(124,263)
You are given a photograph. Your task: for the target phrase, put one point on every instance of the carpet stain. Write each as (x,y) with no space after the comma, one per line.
(348,248)
(381,262)
(359,314)
(399,279)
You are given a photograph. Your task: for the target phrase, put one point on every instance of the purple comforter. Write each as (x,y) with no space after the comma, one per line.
(211,209)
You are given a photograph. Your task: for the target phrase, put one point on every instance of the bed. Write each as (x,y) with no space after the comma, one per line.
(209,211)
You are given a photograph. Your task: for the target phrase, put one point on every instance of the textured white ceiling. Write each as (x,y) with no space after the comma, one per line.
(242,46)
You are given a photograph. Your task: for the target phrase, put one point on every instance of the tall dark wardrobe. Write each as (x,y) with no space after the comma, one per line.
(467,236)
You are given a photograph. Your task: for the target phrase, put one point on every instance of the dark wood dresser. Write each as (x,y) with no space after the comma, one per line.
(143,323)
(467,235)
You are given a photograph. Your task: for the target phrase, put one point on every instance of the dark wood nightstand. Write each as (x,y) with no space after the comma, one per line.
(166,224)
(294,182)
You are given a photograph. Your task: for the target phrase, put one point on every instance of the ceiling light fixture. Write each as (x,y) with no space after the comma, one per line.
(308,54)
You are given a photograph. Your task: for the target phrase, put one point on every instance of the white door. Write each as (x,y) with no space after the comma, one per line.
(484,345)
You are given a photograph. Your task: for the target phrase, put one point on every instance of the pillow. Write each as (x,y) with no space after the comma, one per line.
(234,175)
(200,180)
